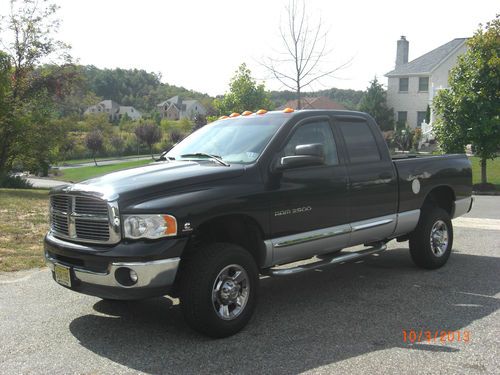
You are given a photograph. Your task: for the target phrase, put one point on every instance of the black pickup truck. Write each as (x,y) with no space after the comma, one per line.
(252,195)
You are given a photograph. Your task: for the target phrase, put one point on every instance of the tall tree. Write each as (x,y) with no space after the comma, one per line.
(469,111)
(95,143)
(244,94)
(27,36)
(302,62)
(149,134)
(374,102)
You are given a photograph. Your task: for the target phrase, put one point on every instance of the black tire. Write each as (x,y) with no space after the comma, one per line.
(203,307)
(427,250)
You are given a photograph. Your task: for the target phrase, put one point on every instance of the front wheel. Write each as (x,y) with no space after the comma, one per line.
(218,289)
(432,240)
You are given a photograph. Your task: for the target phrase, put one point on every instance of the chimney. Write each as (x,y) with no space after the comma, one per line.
(402,51)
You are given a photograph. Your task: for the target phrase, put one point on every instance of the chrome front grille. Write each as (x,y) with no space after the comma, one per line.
(84,219)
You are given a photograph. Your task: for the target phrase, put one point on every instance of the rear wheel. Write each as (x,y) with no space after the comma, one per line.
(432,240)
(218,289)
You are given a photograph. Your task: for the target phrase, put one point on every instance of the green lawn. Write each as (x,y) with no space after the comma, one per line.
(24,220)
(492,171)
(89,160)
(84,173)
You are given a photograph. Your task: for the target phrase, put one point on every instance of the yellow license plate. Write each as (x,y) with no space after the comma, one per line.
(63,275)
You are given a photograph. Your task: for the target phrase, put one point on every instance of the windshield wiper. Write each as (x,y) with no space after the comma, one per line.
(217,158)
(164,156)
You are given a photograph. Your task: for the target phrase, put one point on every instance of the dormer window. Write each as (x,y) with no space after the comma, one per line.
(403,84)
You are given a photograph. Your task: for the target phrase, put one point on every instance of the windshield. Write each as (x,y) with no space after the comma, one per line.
(235,140)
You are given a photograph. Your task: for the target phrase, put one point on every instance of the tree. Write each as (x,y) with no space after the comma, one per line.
(300,63)
(118,143)
(26,133)
(175,136)
(149,134)
(469,111)
(199,121)
(94,142)
(374,102)
(244,94)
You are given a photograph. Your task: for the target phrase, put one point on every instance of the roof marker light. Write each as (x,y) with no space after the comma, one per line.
(223,117)
(261,112)
(288,110)
(234,114)
(246,113)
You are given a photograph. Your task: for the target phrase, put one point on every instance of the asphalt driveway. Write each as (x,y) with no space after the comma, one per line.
(345,319)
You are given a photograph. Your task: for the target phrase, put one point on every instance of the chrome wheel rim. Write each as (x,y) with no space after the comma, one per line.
(230,292)
(439,238)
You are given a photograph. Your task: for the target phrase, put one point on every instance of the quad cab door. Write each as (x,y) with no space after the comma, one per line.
(310,204)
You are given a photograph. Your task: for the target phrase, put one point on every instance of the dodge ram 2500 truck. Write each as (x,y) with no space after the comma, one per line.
(252,195)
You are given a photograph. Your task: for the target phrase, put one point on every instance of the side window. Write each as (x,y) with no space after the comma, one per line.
(360,142)
(314,132)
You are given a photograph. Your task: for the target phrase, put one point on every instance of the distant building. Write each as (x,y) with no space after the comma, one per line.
(413,85)
(114,110)
(318,102)
(177,108)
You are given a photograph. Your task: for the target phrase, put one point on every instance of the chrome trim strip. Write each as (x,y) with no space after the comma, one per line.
(461,207)
(298,246)
(372,224)
(312,236)
(157,273)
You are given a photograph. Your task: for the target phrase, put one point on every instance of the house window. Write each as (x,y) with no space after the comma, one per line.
(402,118)
(403,84)
(420,118)
(423,84)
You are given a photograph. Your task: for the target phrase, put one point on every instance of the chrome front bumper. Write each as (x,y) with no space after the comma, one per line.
(158,273)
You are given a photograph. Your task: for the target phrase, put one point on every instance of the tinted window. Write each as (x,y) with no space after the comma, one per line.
(315,132)
(360,142)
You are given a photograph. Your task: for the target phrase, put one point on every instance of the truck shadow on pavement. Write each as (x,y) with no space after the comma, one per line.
(304,321)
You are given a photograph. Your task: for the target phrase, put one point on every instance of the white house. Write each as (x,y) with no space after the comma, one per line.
(114,110)
(177,108)
(412,85)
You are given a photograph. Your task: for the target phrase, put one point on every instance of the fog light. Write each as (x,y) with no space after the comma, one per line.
(133,276)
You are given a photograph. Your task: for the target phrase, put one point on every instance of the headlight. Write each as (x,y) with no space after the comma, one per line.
(149,226)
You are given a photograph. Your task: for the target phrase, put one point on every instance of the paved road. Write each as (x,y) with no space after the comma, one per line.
(346,320)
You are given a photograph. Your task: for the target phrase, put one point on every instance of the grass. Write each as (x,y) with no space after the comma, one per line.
(492,171)
(90,160)
(24,217)
(84,173)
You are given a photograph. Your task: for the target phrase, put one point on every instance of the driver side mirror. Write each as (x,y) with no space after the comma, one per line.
(305,155)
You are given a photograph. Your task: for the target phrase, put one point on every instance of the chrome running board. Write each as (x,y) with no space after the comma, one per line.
(334,259)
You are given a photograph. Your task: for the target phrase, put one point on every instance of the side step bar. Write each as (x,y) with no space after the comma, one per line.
(334,259)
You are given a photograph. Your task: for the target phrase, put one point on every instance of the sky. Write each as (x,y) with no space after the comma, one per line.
(199,44)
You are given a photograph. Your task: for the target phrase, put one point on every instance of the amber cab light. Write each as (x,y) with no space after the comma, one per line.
(261,111)
(223,117)
(234,114)
(288,110)
(246,113)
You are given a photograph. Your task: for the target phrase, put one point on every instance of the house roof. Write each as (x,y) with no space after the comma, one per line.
(428,62)
(318,102)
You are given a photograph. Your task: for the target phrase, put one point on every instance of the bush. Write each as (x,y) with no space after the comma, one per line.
(15,182)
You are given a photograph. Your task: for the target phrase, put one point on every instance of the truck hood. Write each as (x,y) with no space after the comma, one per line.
(151,179)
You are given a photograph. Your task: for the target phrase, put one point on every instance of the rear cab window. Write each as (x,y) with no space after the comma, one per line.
(360,142)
